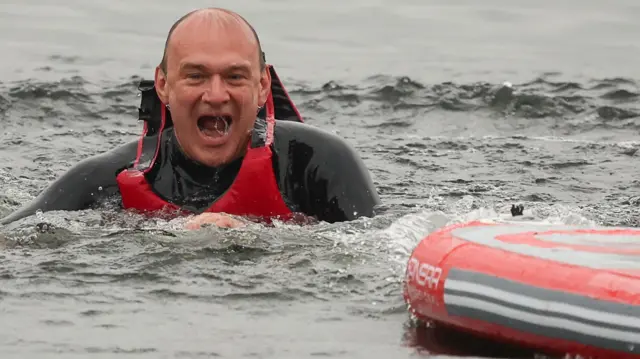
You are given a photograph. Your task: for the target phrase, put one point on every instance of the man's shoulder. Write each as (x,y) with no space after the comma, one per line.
(102,167)
(326,175)
(307,144)
(120,156)
(306,134)
(81,185)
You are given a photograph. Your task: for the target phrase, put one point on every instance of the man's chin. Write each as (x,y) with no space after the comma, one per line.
(206,150)
(217,153)
(212,158)
(216,156)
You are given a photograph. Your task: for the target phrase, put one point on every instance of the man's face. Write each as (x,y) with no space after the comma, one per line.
(213,86)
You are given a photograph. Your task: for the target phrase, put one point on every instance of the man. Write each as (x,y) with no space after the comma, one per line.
(211,145)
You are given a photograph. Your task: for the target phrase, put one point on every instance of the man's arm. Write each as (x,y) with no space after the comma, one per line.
(82,185)
(322,174)
(341,187)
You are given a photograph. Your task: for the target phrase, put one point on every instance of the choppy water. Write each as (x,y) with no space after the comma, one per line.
(418,87)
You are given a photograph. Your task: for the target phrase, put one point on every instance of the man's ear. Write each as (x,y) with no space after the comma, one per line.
(161,85)
(265,86)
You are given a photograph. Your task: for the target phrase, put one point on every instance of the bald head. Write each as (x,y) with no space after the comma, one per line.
(214,17)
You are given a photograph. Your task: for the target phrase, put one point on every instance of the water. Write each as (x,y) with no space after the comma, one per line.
(459,109)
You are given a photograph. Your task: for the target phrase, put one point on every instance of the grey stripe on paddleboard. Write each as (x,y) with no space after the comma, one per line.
(529,291)
(552,316)
(486,236)
(587,317)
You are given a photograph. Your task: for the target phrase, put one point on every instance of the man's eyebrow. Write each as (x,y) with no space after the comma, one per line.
(192,66)
(203,68)
(239,67)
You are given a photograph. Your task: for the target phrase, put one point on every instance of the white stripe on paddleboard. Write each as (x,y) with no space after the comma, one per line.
(486,236)
(544,305)
(542,321)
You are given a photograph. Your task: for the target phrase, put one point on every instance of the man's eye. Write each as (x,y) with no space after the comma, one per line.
(194,76)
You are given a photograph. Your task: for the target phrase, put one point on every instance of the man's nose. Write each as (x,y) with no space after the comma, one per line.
(216,92)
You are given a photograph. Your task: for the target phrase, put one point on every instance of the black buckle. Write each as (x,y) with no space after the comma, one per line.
(148,98)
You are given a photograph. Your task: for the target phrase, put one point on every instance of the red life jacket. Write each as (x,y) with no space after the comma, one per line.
(253,193)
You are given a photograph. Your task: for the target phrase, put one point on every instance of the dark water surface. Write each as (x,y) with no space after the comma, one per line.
(460,108)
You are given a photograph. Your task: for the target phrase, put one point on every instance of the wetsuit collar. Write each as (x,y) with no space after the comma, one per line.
(192,169)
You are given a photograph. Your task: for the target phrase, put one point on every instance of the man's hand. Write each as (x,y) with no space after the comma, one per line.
(219,219)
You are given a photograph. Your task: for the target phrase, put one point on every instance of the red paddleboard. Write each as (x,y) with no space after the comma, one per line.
(561,289)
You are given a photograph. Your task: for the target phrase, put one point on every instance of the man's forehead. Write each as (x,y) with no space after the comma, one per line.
(206,22)
(207,31)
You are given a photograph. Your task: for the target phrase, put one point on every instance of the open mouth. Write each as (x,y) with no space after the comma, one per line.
(214,126)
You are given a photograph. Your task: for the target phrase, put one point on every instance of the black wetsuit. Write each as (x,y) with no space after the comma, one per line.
(317,173)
